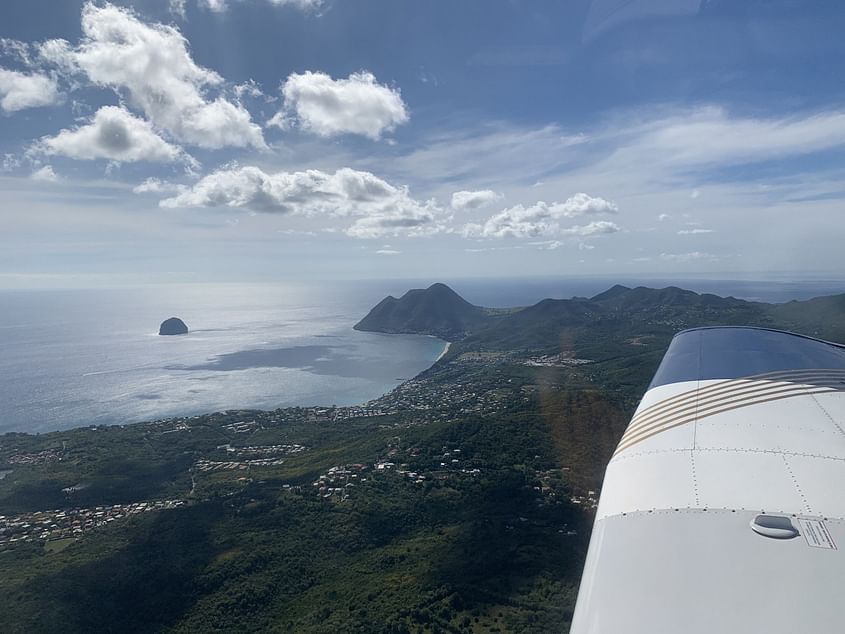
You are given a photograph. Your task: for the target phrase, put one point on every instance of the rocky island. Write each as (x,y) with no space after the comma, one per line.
(173,326)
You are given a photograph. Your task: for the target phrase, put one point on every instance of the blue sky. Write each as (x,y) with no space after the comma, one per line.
(209,140)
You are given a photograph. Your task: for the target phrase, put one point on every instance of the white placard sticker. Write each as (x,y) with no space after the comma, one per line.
(816,534)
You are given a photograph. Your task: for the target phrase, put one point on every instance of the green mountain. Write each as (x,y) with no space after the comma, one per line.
(592,324)
(436,310)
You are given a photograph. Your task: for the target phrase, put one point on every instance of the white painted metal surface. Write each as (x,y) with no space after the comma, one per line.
(672,548)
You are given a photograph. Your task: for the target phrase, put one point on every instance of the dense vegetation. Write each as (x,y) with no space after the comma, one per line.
(476,520)
(452,554)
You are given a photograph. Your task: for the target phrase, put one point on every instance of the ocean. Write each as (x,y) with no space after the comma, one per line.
(88,357)
(71,358)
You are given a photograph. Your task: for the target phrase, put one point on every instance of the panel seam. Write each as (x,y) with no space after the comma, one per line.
(798,488)
(826,413)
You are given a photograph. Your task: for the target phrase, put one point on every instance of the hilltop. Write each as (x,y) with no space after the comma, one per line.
(648,313)
(436,310)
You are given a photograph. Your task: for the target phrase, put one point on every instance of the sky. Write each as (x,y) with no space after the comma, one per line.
(165,141)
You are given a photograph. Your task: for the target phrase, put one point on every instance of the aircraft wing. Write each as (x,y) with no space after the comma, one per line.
(723,507)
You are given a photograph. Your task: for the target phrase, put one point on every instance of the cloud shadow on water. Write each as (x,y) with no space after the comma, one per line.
(322,360)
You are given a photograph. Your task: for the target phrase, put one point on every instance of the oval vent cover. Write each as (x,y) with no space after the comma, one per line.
(775,526)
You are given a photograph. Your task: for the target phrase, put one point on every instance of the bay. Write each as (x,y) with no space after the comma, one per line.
(71,358)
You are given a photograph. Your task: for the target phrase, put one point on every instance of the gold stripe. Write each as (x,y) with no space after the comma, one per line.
(727,395)
(727,383)
(751,399)
(726,388)
(630,443)
(747,390)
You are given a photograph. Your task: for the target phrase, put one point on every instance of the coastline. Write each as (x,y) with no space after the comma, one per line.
(445,350)
(222,410)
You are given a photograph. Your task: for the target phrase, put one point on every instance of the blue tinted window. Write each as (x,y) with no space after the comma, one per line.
(732,352)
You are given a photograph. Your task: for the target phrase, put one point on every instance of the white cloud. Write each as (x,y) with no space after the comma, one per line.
(157,186)
(380,208)
(693,232)
(514,247)
(151,66)
(415,222)
(300,4)
(114,134)
(587,230)
(20,90)
(711,136)
(9,163)
(296,232)
(651,158)
(687,257)
(547,245)
(388,252)
(45,174)
(543,219)
(583,204)
(219,6)
(331,107)
(177,7)
(663,217)
(15,49)
(249,88)
(464,200)
(594,228)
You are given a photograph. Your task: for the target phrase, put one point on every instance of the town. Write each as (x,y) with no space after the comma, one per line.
(71,523)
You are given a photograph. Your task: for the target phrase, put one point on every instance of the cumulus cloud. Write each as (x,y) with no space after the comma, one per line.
(15,49)
(543,219)
(693,232)
(466,200)
(380,208)
(45,174)
(115,134)
(151,66)
(330,107)
(388,252)
(20,90)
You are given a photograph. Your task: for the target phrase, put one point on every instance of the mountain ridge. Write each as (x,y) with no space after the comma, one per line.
(440,311)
